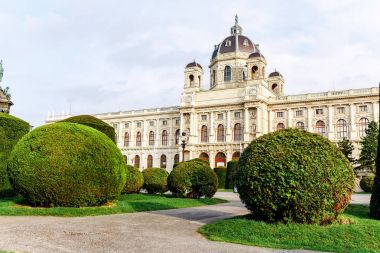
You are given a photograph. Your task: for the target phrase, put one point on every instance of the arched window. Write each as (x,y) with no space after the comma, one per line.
(126,139)
(236,155)
(227,74)
(274,87)
(137,161)
(204,134)
(300,125)
(204,156)
(220,133)
(280,126)
(176,158)
(151,138)
(164,138)
(341,129)
(191,80)
(238,133)
(254,72)
(138,139)
(320,127)
(363,125)
(149,163)
(199,80)
(177,134)
(220,159)
(163,161)
(213,77)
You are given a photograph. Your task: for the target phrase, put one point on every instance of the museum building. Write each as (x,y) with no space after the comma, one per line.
(241,104)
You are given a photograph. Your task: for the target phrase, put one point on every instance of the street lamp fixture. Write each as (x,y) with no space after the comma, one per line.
(183,145)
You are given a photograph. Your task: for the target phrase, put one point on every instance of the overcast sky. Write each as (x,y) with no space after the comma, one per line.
(106,56)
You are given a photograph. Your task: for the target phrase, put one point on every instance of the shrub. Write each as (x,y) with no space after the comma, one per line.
(221,173)
(294,176)
(11,130)
(95,123)
(135,180)
(375,197)
(155,180)
(232,169)
(193,179)
(366,183)
(66,164)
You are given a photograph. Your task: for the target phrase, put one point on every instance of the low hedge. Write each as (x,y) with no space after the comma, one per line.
(66,164)
(11,130)
(221,172)
(193,179)
(135,180)
(366,183)
(155,180)
(95,123)
(232,169)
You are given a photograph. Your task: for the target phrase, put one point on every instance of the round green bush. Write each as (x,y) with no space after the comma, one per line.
(366,183)
(294,176)
(11,130)
(232,169)
(95,123)
(135,180)
(221,172)
(193,179)
(155,180)
(66,164)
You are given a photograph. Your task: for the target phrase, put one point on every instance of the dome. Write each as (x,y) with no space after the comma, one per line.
(193,64)
(255,55)
(275,73)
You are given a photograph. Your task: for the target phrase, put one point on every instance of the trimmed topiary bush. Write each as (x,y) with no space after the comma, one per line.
(66,164)
(11,130)
(221,172)
(135,180)
(155,180)
(193,179)
(95,123)
(366,183)
(232,169)
(294,176)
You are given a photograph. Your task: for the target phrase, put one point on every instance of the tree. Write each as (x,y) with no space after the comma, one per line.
(369,147)
(346,147)
(374,209)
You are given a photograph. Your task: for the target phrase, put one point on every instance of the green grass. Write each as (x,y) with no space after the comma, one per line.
(363,193)
(361,235)
(128,203)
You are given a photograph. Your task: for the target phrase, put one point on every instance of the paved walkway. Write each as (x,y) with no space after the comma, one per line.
(160,231)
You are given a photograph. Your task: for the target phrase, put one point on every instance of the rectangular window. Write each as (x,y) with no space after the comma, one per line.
(204,117)
(138,124)
(151,123)
(114,126)
(237,115)
(126,125)
(164,122)
(363,108)
(299,113)
(220,115)
(279,114)
(319,111)
(177,122)
(340,110)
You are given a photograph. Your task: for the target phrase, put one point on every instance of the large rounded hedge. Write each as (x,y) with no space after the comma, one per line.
(366,183)
(294,176)
(155,180)
(66,164)
(95,123)
(11,130)
(193,179)
(232,169)
(135,180)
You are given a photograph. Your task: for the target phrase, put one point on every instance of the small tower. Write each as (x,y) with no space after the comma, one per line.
(256,64)
(5,96)
(193,77)
(276,83)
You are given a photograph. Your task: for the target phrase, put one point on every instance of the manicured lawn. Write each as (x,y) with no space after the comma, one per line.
(361,235)
(128,203)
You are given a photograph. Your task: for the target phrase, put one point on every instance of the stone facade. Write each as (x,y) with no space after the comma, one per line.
(242,103)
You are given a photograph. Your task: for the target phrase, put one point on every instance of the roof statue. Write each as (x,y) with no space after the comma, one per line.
(1,70)
(236,19)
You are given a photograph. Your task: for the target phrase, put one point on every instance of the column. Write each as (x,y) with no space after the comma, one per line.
(330,123)
(228,132)
(246,125)
(270,121)
(289,118)
(259,121)
(375,109)
(157,138)
(352,128)
(131,134)
(182,124)
(144,141)
(309,119)
(264,125)
(211,128)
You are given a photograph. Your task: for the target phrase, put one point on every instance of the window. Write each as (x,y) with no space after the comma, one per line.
(280,126)
(204,156)
(300,125)
(363,125)
(220,133)
(227,43)
(126,159)
(176,158)
(191,79)
(254,72)
(341,129)
(137,161)
(177,136)
(151,138)
(163,161)
(151,123)
(114,126)
(319,111)
(279,114)
(299,113)
(220,115)
(138,124)
(220,159)
(213,77)
(164,138)
(126,125)
(237,115)
(274,87)
(204,134)
(177,122)
(340,110)
(245,43)
(126,139)
(238,133)
(320,127)
(149,163)
(164,122)
(227,74)
(204,117)
(138,139)
(363,108)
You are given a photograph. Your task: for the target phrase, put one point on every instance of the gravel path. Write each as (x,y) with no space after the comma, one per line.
(160,231)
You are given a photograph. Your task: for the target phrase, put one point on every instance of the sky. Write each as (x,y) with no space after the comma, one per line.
(106,56)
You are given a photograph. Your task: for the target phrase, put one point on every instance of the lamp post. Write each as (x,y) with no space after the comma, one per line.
(183,145)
